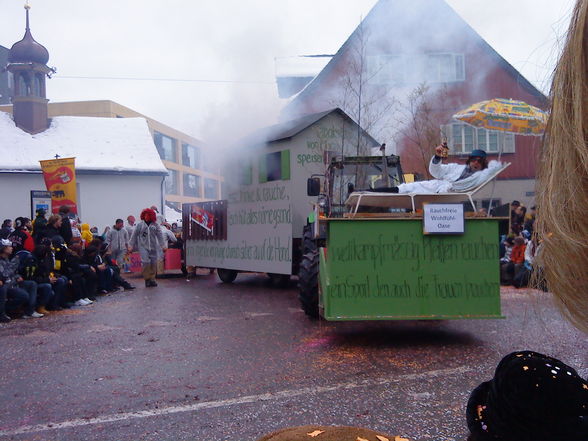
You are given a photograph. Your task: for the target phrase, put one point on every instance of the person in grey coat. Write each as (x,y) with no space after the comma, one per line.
(117,239)
(148,240)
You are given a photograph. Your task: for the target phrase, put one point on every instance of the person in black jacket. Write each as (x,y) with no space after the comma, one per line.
(51,229)
(29,270)
(21,237)
(93,258)
(65,228)
(46,274)
(81,275)
(39,225)
(117,280)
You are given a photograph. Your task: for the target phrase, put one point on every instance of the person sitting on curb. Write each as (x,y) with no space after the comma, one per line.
(19,292)
(117,281)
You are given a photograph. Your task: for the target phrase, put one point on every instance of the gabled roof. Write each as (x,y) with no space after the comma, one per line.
(289,129)
(114,145)
(403,10)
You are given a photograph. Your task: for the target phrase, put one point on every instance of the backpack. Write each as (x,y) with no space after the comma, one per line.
(27,264)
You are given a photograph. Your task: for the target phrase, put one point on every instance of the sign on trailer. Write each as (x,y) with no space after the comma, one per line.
(443,219)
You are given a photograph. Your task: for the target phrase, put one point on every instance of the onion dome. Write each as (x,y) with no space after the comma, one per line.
(28,50)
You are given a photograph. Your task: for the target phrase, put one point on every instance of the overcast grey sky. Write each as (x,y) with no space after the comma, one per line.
(236,41)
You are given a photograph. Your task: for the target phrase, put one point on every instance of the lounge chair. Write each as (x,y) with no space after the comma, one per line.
(415,201)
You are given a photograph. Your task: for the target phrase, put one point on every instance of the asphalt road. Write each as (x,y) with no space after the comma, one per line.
(199,360)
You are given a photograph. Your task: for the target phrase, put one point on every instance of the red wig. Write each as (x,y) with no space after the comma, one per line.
(148,215)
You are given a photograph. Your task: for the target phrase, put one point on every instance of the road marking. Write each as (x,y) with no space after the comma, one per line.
(272,396)
(258,314)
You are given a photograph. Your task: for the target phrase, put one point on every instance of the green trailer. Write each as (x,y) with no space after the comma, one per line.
(387,269)
(395,260)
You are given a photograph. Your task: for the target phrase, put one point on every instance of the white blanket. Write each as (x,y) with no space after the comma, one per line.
(447,179)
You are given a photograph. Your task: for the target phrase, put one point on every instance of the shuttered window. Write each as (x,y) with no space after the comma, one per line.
(274,166)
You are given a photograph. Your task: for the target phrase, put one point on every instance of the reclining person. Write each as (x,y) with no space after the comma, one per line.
(449,177)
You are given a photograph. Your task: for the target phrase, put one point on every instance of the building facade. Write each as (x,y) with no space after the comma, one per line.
(192,176)
(415,63)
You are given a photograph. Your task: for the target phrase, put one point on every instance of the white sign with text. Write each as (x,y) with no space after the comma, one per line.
(443,219)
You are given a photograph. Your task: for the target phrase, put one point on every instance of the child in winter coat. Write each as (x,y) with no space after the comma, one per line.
(87,236)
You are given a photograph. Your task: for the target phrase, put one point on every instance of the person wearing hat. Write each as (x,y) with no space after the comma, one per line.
(21,238)
(532,397)
(449,177)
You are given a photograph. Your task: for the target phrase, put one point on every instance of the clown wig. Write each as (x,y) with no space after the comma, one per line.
(148,215)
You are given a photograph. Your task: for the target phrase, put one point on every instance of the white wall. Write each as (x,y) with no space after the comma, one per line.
(509,190)
(102,198)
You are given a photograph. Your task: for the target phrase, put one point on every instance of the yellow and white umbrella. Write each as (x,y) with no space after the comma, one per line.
(505,115)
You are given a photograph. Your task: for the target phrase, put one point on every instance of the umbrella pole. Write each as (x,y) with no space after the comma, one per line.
(494,181)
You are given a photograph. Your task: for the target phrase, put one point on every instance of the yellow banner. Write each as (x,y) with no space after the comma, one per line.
(60,180)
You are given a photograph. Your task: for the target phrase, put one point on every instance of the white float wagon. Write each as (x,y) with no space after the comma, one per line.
(260,225)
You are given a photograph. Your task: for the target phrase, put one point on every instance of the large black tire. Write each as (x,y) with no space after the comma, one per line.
(308,242)
(226,275)
(308,283)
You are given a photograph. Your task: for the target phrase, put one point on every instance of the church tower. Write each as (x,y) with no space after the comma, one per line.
(27,61)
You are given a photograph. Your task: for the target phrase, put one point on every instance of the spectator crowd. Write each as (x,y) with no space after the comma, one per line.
(520,248)
(57,262)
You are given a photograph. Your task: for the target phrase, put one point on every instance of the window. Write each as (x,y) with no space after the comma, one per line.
(386,69)
(274,166)
(399,69)
(37,86)
(23,86)
(171,182)
(192,185)
(191,156)
(463,138)
(444,68)
(166,146)
(210,188)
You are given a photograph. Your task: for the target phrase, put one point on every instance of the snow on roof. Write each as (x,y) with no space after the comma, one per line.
(301,66)
(288,129)
(105,144)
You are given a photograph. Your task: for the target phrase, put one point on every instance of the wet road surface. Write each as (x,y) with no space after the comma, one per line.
(199,360)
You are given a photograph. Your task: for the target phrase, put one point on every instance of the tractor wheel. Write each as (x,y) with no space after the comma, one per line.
(308,283)
(226,275)
(308,242)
